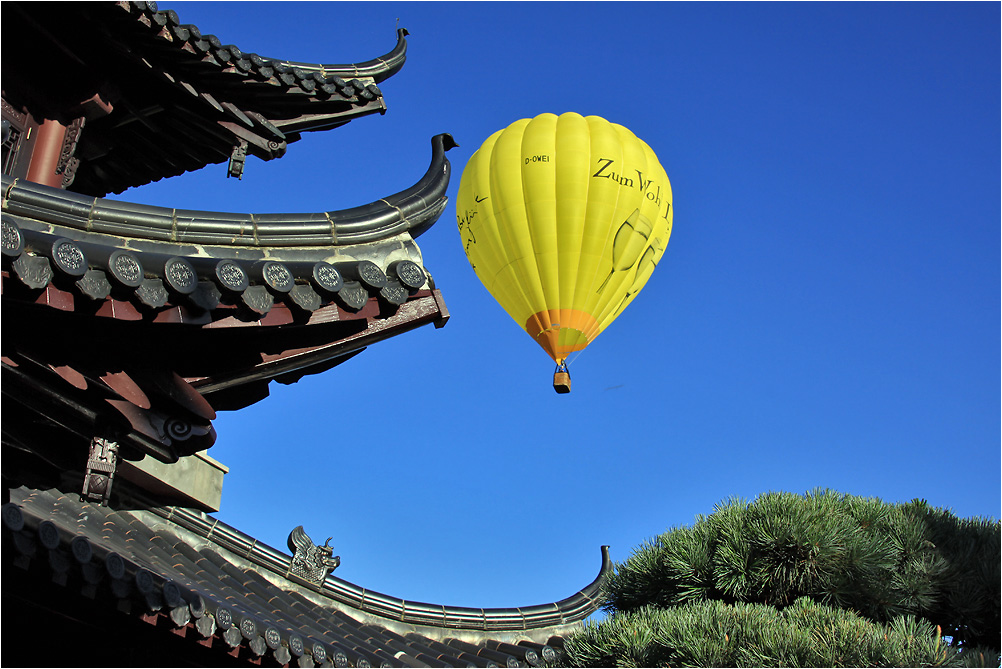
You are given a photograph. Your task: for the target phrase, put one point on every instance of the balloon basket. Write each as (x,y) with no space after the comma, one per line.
(562,380)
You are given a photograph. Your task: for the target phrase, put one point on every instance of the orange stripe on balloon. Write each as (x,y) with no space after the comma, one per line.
(545,328)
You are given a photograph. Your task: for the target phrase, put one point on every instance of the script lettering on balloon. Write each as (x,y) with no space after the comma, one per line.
(606,169)
(465,221)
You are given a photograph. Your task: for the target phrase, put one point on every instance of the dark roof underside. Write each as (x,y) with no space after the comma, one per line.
(160,98)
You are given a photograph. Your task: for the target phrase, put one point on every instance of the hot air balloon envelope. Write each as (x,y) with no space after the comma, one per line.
(563,219)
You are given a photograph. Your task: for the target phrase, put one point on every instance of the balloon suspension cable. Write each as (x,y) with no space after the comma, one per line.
(562,378)
(573,357)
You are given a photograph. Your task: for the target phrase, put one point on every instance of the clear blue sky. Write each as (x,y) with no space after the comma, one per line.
(826,314)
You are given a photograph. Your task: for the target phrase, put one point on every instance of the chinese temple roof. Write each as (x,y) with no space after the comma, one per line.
(128,326)
(217,588)
(204,309)
(160,98)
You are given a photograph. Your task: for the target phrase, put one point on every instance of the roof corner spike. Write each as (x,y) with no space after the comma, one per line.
(447,141)
(380,68)
(591,597)
(430,189)
(606,562)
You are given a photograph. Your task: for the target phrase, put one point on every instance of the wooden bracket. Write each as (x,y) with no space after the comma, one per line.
(237,159)
(100,471)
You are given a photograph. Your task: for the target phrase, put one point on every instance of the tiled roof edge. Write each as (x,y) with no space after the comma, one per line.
(176,33)
(149,569)
(572,609)
(413,210)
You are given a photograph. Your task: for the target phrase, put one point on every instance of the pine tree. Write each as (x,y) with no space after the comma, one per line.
(823,579)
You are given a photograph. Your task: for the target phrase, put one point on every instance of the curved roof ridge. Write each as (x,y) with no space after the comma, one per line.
(571,609)
(413,209)
(379,69)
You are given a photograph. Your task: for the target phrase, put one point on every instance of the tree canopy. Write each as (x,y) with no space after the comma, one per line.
(822,579)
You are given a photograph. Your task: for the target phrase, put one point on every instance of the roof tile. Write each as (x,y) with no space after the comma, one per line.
(197,589)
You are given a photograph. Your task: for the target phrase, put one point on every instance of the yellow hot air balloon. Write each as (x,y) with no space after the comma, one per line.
(563,219)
